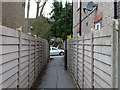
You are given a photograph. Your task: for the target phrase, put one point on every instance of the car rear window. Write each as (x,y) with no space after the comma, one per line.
(54,49)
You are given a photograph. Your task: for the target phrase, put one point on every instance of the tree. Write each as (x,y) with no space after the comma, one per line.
(38,7)
(43,7)
(41,26)
(58,26)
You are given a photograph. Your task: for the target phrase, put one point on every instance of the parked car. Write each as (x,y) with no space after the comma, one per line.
(56,51)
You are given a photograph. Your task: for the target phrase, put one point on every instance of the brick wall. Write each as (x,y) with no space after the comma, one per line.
(107,10)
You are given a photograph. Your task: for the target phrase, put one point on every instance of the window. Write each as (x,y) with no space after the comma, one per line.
(78,4)
(98,22)
(54,49)
(78,34)
(98,25)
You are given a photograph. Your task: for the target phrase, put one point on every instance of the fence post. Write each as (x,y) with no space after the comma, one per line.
(72,57)
(46,52)
(39,56)
(19,59)
(77,60)
(83,62)
(119,55)
(29,59)
(92,61)
(35,60)
(115,57)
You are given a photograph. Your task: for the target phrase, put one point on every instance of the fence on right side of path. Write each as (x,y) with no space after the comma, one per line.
(91,59)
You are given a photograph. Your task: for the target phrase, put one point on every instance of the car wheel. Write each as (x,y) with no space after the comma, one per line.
(61,53)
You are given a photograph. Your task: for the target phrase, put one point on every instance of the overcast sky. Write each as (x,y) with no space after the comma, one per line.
(46,11)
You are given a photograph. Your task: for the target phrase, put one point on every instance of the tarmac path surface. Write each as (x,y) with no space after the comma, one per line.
(56,76)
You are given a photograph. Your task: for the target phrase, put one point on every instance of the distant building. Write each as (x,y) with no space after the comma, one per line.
(13,14)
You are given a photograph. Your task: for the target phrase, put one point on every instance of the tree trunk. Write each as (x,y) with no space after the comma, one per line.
(43,7)
(38,3)
(38,8)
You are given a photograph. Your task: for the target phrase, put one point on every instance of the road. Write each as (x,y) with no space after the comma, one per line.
(56,76)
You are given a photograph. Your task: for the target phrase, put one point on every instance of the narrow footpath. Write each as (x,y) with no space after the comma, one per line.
(56,76)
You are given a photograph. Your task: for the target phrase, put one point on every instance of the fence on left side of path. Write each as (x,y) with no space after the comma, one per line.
(22,57)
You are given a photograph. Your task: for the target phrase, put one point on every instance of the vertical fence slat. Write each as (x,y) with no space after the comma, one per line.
(92,60)
(77,60)
(29,59)
(35,74)
(19,59)
(82,62)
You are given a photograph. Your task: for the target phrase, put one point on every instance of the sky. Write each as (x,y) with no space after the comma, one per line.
(46,11)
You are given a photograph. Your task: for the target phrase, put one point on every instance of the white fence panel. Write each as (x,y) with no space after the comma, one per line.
(91,60)
(22,58)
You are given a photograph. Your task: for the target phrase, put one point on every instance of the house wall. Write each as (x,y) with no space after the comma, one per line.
(75,19)
(13,14)
(99,41)
(107,8)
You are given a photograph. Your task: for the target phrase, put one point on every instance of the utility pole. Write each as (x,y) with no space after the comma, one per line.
(28,8)
(72,20)
(66,36)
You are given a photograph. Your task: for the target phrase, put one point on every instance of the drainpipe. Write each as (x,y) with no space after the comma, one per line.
(80,18)
(117,41)
(66,35)
(115,9)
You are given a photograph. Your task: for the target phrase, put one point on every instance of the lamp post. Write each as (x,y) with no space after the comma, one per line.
(65,35)
(28,8)
(72,20)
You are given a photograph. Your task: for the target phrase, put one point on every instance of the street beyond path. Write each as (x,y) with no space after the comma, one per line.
(56,76)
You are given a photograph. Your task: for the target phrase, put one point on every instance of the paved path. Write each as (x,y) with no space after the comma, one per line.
(56,76)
